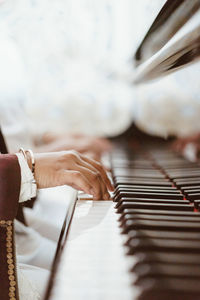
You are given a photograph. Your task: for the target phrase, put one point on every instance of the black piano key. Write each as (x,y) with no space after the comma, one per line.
(193,196)
(138,176)
(160,225)
(189,183)
(159,218)
(161,245)
(132,160)
(160,270)
(141,178)
(169,289)
(196,203)
(168,164)
(135,171)
(194,187)
(159,212)
(132,163)
(169,167)
(151,201)
(122,181)
(166,257)
(131,189)
(192,191)
(149,195)
(174,160)
(184,176)
(183,164)
(181,169)
(121,191)
(147,187)
(126,164)
(139,205)
(188,179)
(173,235)
(182,173)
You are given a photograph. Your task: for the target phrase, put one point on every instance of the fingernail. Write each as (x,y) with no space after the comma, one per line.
(106,196)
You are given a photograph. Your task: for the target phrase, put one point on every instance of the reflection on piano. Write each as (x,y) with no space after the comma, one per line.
(146,243)
(166,49)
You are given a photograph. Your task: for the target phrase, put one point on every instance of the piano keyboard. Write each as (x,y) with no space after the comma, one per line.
(145,244)
(157,198)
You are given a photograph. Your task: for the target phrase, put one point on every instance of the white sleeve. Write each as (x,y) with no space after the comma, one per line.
(28,186)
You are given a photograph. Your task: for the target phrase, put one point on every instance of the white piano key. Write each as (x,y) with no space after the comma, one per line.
(93,264)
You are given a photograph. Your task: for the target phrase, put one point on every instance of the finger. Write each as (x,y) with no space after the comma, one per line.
(93,176)
(104,189)
(99,167)
(93,155)
(103,173)
(83,166)
(90,172)
(97,158)
(107,196)
(87,165)
(77,180)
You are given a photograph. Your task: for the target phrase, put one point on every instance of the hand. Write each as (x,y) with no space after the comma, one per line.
(80,143)
(71,168)
(179,144)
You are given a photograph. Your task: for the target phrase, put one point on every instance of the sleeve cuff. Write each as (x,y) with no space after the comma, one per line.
(28,186)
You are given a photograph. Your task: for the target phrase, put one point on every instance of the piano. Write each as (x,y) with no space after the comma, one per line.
(145,244)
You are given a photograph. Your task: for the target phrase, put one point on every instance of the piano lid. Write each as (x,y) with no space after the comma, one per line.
(172,42)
